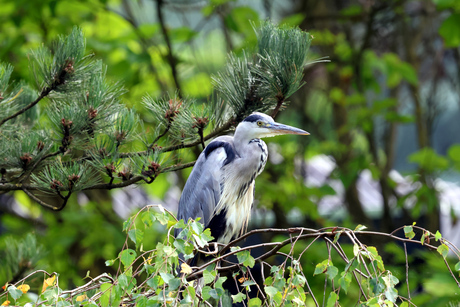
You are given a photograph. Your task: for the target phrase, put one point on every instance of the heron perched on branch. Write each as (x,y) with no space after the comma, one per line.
(220,189)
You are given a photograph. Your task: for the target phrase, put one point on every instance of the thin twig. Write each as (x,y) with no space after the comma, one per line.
(407,271)
(45,91)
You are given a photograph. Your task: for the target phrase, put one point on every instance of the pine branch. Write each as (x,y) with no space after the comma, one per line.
(43,94)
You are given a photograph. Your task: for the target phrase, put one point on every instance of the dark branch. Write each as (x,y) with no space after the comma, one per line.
(42,95)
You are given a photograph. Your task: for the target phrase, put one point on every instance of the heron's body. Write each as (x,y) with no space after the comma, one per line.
(220,189)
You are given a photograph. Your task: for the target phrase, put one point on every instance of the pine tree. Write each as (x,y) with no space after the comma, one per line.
(86,141)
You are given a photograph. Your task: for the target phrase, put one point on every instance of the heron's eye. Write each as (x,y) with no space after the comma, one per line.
(259,123)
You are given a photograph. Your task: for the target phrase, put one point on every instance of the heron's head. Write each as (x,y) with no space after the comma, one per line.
(260,125)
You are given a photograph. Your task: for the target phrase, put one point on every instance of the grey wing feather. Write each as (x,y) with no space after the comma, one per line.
(202,191)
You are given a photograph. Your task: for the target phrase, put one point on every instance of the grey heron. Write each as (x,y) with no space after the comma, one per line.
(220,188)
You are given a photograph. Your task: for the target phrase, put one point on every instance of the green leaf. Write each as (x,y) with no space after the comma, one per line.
(271,291)
(174,283)
(377,284)
(293,20)
(219,283)
(360,227)
(123,281)
(198,240)
(391,294)
(136,235)
(254,302)
(208,277)
(166,277)
(409,232)
(127,223)
(438,235)
(154,282)
(148,218)
(457,266)
(331,272)
(209,292)
(127,257)
(337,236)
(14,292)
(182,34)
(105,298)
(238,298)
(239,19)
(110,262)
(404,304)
(162,216)
(450,30)
(298,280)
(141,301)
(356,249)
(322,267)
(374,255)
(206,235)
(192,292)
(443,249)
(345,280)
(429,160)
(332,299)
(245,258)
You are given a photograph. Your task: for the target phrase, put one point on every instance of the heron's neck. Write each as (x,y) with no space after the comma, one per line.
(242,138)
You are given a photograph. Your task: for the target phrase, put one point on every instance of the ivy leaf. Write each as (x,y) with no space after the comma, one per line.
(360,227)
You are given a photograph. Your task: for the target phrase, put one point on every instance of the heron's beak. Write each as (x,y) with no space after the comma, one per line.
(285,129)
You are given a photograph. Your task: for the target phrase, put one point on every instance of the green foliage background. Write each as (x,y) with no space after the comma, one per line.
(352,106)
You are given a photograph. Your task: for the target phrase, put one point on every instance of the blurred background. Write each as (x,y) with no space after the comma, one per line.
(383,114)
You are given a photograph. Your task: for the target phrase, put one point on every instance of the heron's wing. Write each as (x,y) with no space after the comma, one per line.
(202,191)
